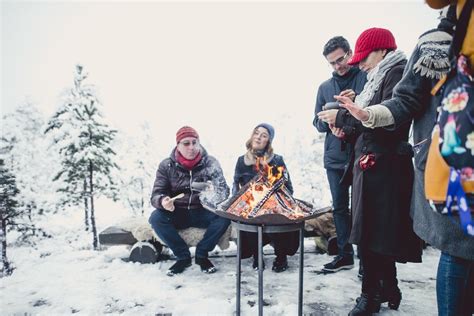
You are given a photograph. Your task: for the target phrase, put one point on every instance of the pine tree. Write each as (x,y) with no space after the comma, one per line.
(137,170)
(9,212)
(24,151)
(85,145)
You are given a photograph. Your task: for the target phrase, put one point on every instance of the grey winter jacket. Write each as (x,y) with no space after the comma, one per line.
(173,179)
(336,155)
(412,101)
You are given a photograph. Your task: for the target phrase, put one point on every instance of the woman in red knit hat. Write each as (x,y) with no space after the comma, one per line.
(382,176)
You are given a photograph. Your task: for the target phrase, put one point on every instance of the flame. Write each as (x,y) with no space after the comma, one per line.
(267,171)
(257,190)
(255,194)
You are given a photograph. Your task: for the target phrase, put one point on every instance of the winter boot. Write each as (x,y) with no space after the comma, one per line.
(366,305)
(206,265)
(280,264)
(393,296)
(339,263)
(179,267)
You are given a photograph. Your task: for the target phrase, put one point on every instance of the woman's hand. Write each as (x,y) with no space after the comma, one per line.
(348,93)
(328,116)
(355,110)
(168,203)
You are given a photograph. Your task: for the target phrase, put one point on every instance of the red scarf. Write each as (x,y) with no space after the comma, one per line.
(188,164)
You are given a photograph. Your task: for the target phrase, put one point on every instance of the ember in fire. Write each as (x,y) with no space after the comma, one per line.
(266,194)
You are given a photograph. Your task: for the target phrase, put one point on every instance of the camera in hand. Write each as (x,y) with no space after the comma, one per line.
(331,106)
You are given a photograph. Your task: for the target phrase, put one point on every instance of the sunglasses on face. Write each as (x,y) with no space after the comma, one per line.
(339,60)
(187,143)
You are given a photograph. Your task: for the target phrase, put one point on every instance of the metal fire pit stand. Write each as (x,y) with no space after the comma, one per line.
(260,229)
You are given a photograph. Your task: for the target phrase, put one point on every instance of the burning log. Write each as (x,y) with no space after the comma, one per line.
(266,200)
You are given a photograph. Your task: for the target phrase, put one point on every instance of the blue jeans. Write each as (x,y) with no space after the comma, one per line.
(455,286)
(166,225)
(342,217)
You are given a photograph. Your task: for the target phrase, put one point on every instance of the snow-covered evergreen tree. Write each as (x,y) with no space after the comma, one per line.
(137,169)
(24,151)
(84,141)
(9,212)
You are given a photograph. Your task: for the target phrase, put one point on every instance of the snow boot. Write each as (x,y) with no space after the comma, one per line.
(179,267)
(206,265)
(366,305)
(280,264)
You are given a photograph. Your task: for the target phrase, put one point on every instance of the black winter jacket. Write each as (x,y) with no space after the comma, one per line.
(336,155)
(381,194)
(173,179)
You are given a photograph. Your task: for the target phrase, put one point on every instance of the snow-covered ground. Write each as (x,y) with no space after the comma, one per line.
(63,275)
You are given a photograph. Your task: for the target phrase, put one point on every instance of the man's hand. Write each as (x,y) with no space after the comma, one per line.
(337,131)
(328,116)
(355,110)
(168,203)
(348,93)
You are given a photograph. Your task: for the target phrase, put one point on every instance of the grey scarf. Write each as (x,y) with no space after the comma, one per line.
(376,75)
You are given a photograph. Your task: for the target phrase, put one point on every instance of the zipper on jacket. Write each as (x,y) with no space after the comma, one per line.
(190,188)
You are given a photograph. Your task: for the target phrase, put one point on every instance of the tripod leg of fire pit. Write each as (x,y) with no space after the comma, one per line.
(238,273)
(300,290)
(260,271)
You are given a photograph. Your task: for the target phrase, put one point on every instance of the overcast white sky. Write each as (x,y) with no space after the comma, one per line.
(221,67)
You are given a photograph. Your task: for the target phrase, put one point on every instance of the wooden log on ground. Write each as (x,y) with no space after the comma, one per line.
(144,252)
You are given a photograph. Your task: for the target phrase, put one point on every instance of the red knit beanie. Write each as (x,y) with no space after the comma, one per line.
(370,40)
(186,131)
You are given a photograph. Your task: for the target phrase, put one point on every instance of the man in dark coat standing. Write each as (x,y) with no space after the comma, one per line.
(346,81)
(177,202)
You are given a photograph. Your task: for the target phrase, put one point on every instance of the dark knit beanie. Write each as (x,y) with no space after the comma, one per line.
(186,131)
(371,40)
(269,128)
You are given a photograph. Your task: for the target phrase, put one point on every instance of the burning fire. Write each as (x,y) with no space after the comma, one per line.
(258,190)
(268,170)
(255,194)
(267,194)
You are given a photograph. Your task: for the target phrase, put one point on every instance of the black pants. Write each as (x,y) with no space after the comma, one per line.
(380,272)
(283,243)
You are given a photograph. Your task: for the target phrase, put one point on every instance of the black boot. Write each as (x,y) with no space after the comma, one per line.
(393,296)
(206,265)
(179,267)
(280,264)
(366,305)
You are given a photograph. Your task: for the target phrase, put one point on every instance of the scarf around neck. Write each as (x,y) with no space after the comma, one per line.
(344,82)
(376,75)
(251,159)
(186,163)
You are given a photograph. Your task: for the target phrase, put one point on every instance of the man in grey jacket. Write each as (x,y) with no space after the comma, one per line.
(176,199)
(346,81)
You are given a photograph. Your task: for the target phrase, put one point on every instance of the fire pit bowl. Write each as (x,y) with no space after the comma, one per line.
(261,202)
